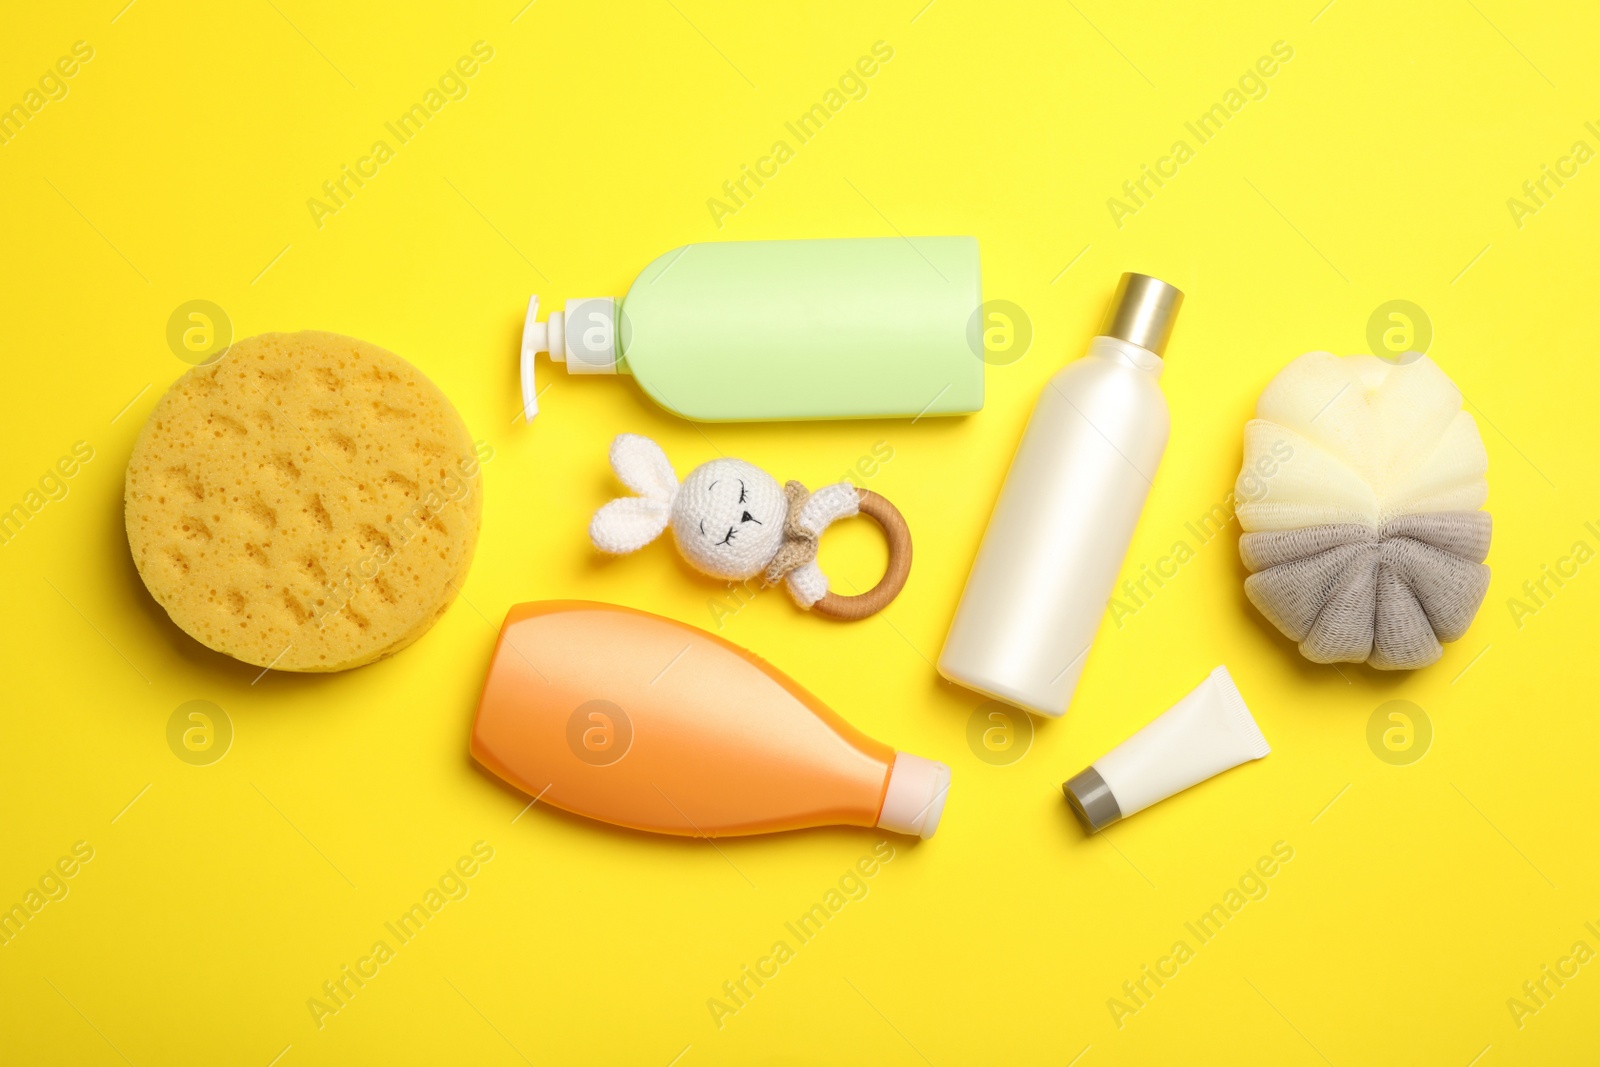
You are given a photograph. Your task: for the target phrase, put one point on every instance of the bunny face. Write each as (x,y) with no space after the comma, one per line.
(728,518)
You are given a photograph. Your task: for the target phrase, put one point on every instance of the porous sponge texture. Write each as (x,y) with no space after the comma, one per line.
(310,502)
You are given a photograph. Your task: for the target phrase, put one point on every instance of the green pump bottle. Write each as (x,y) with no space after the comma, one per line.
(849,328)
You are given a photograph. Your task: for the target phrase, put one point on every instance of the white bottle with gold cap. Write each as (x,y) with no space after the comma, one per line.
(1059,532)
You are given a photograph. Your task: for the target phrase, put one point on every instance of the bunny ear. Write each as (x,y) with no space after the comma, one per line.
(644,468)
(628,524)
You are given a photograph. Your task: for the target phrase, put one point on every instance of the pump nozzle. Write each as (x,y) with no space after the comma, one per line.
(593,351)
(538,337)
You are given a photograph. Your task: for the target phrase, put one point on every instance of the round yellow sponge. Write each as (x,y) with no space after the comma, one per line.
(309,502)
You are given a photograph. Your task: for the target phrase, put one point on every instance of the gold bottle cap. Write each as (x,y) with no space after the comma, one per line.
(1142,312)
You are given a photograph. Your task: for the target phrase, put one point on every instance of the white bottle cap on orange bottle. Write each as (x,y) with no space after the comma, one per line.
(914,799)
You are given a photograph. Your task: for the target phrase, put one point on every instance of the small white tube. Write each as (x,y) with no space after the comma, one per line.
(1204,734)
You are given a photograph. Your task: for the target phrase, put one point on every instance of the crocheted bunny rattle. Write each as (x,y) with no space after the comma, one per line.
(732,520)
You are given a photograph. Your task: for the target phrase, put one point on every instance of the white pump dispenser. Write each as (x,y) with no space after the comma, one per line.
(589,349)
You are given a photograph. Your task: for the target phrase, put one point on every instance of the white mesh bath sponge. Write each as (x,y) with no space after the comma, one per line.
(1359,498)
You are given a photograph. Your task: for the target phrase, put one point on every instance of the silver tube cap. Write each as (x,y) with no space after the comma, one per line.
(1091,798)
(1142,312)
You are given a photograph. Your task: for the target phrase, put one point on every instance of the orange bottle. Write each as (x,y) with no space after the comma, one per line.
(641,721)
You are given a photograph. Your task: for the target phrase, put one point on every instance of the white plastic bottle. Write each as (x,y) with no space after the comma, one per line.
(1059,532)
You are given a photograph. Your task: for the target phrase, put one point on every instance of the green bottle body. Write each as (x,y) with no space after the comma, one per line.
(849,328)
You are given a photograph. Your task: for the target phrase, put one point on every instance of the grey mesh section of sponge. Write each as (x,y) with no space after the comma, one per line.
(1350,593)
(1460,533)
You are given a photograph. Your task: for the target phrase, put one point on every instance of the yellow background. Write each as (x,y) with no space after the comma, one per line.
(1377,167)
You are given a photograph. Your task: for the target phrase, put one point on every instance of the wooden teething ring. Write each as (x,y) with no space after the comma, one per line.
(874,600)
